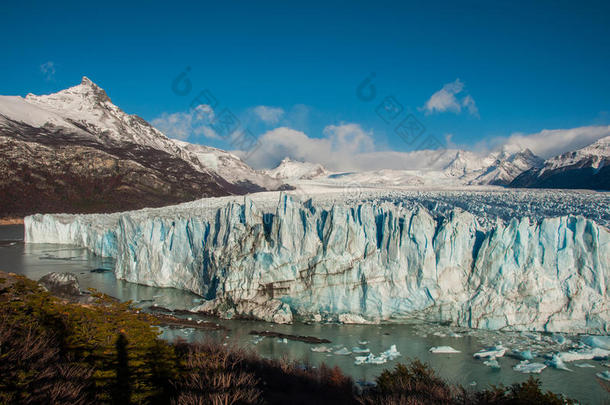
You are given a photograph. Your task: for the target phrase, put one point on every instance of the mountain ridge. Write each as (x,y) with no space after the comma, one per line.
(74,151)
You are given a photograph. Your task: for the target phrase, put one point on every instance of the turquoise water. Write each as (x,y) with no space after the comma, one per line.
(412,341)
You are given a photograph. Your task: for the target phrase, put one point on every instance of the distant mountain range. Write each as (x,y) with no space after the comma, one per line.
(588,167)
(74,151)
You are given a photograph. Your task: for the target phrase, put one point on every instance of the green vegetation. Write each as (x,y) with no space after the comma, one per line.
(53,351)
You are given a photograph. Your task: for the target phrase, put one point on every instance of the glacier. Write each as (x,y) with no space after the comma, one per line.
(279,258)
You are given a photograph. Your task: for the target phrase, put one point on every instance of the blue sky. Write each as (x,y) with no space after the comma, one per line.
(520,67)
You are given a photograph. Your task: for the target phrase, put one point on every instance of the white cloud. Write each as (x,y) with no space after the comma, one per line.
(182,125)
(269,115)
(348,147)
(469,104)
(448,99)
(344,147)
(48,70)
(551,142)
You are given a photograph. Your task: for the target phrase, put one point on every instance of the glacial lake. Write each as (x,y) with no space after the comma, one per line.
(412,340)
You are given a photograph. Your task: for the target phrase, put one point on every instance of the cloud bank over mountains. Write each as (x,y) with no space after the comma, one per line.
(348,147)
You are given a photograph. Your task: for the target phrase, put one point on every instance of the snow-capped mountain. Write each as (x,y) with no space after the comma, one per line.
(587,168)
(231,167)
(294,170)
(452,168)
(465,163)
(76,151)
(507,166)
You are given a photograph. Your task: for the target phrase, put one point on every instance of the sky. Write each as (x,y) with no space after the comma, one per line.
(329,80)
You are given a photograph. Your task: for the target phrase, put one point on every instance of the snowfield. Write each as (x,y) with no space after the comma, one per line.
(486,258)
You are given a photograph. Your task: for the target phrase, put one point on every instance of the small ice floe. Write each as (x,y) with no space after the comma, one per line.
(522,355)
(283,340)
(492,362)
(343,352)
(440,334)
(584,365)
(584,354)
(496,351)
(454,335)
(391,353)
(473,383)
(363,342)
(360,350)
(526,367)
(443,350)
(602,342)
(321,349)
(604,375)
(557,362)
(370,359)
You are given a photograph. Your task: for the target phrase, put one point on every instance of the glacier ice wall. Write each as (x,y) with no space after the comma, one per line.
(373,261)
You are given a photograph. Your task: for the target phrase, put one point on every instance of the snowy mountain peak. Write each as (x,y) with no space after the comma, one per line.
(293,169)
(86,91)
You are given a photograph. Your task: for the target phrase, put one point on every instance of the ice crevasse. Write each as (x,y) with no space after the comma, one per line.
(370,261)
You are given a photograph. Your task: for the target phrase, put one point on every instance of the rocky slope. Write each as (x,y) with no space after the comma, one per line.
(75,151)
(505,167)
(586,168)
(232,168)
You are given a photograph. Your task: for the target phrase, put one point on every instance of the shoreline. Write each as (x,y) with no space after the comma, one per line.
(11,221)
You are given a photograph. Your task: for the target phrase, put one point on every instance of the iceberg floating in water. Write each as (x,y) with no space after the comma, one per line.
(321,349)
(370,359)
(492,362)
(557,362)
(529,368)
(493,352)
(602,342)
(523,355)
(443,349)
(390,354)
(604,375)
(367,261)
(343,352)
(583,354)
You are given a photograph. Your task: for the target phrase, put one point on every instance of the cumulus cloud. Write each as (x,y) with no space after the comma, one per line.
(48,70)
(345,147)
(182,125)
(269,115)
(453,98)
(551,142)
